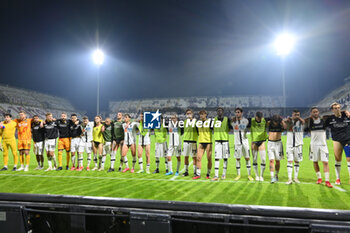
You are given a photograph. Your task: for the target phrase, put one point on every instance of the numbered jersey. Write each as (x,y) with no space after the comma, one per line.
(130,132)
(239,126)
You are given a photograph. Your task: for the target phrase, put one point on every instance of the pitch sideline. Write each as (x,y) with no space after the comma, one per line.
(151,179)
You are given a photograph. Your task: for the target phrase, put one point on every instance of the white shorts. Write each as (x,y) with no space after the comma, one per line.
(87,146)
(222,150)
(50,144)
(107,148)
(174,151)
(75,144)
(161,150)
(144,140)
(319,153)
(39,148)
(190,148)
(242,149)
(275,150)
(295,153)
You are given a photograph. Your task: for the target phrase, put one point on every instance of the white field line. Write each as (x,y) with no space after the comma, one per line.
(183,169)
(152,179)
(338,188)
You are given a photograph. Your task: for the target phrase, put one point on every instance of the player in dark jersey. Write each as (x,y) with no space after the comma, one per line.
(38,135)
(51,134)
(339,123)
(118,141)
(75,134)
(64,140)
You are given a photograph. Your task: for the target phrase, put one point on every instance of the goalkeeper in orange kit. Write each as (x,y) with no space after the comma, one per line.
(7,134)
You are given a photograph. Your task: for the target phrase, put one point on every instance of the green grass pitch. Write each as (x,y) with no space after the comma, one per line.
(161,187)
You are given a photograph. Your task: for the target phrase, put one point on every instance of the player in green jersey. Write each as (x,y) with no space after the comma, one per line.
(118,140)
(258,134)
(107,132)
(190,137)
(205,144)
(161,147)
(222,148)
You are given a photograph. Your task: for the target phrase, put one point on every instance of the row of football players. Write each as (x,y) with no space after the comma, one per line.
(105,137)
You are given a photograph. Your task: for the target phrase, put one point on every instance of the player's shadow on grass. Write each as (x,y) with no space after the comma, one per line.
(296,196)
(329,194)
(169,190)
(233,193)
(268,194)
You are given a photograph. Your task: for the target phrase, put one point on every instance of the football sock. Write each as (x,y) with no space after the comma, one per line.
(224,167)
(296,170)
(326,176)
(170,166)
(318,174)
(141,163)
(290,170)
(60,152)
(133,162)
(238,166)
(217,166)
(89,159)
(113,155)
(248,167)
(103,161)
(126,161)
(337,169)
(157,163)
(80,159)
(73,160)
(255,162)
(263,162)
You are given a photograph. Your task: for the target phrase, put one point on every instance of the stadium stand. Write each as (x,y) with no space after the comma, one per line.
(340,95)
(267,104)
(13,100)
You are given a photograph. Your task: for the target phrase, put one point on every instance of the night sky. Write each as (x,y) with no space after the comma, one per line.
(173,48)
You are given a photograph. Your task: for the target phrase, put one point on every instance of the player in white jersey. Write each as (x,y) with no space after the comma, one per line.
(129,142)
(241,141)
(144,143)
(295,134)
(86,139)
(174,145)
(318,145)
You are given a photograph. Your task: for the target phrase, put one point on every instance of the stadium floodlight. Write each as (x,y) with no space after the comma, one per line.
(98,57)
(284,44)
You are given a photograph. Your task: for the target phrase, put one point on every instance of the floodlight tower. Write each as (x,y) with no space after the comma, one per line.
(98,59)
(284,44)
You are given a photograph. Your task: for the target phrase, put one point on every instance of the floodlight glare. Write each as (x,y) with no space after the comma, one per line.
(98,57)
(284,44)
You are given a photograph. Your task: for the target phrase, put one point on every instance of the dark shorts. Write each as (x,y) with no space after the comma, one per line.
(205,144)
(96,144)
(119,140)
(259,143)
